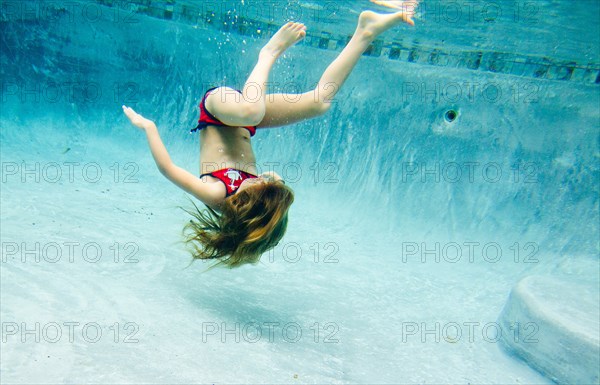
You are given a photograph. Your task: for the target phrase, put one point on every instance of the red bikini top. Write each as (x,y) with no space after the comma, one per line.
(232,178)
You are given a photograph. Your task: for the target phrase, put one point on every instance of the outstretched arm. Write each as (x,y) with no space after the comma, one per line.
(180,177)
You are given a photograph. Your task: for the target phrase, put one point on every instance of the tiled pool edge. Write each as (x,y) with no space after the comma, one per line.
(532,67)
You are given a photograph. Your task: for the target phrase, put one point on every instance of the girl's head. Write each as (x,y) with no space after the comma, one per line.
(251,222)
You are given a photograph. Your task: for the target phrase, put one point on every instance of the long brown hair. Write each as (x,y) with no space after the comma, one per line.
(251,222)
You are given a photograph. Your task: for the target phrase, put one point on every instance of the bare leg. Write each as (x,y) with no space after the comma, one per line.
(226,104)
(282,109)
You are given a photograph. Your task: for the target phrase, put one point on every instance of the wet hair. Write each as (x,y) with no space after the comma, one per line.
(251,222)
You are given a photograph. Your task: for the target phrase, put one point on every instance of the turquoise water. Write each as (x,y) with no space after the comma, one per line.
(460,156)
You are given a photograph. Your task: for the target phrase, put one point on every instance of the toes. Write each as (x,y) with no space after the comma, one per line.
(294,27)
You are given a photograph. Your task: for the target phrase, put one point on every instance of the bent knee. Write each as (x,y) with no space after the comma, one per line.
(322,107)
(252,113)
(230,106)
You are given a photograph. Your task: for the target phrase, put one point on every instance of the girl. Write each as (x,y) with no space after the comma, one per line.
(248,213)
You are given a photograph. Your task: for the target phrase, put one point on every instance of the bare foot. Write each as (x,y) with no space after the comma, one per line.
(398,4)
(372,24)
(288,35)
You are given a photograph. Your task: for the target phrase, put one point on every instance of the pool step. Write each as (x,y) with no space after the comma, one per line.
(552,323)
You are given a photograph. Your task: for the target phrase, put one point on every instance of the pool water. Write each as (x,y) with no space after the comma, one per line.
(460,157)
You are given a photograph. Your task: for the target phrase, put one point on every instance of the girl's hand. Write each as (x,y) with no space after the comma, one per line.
(137,119)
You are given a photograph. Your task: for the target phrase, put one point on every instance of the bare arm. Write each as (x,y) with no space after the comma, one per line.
(185,180)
